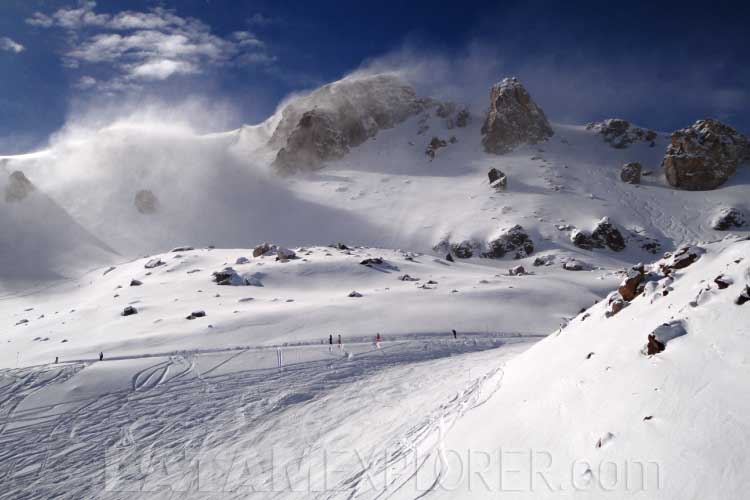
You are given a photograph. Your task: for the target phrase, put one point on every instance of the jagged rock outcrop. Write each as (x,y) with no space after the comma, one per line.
(703,156)
(631,173)
(453,115)
(512,241)
(620,134)
(327,123)
(513,119)
(146,202)
(605,234)
(18,187)
(727,218)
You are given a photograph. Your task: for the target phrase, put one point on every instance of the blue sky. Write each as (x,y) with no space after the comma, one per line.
(660,64)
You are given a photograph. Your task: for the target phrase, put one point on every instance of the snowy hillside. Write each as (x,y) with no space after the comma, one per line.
(592,412)
(385,214)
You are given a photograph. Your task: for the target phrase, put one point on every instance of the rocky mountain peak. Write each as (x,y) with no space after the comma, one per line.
(513,118)
(326,123)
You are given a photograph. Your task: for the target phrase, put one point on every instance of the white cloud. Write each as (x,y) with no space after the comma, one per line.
(259,19)
(9,45)
(161,69)
(147,46)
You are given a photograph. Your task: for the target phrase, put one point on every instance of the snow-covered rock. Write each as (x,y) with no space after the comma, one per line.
(703,156)
(727,218)
(511,241)
(604,234)
(631,173)
(513,119)
(18,187)
(498,179)
(325,124)
(620,134)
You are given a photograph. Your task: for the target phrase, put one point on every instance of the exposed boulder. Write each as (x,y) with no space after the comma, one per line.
(680,259)
(517,271)
(743,297)
(435,144)
(229,277)
(151,264)
(631,287)
(513,241)
(135,282)
(631,173)
(544,260)
(620,134)
(196,314)
(703,156)
(264,249)
(662,335)
(727,218)
(129,311)
(18,187)
(498,179)
(723,281)
(242,260)
(354,294)
(605,234)
(575,265)
(325,124)
(285,254)
(465,249)
(513,119)
(146,202)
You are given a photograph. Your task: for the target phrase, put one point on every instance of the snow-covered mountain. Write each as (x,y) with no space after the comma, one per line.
(384,212)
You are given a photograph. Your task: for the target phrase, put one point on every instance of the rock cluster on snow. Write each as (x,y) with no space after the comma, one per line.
(631,173)
(326,124)
(703,156)
(18,187)
(727,218)
(680,259)
(435,144)
(512,241)
(513,119)
(620,134)
(229,277)
(453,115)
(146,202)
(605,234)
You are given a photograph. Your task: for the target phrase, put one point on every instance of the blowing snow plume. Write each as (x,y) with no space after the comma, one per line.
(145,181)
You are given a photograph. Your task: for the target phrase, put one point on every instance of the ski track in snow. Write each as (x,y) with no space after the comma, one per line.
(55,448)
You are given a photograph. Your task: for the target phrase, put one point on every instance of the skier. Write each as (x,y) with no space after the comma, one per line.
(56,359)
(101,356)
(340,345)
(455,335)
(330,343)
(377,341)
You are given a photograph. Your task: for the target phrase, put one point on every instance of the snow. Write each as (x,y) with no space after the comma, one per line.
(212,388)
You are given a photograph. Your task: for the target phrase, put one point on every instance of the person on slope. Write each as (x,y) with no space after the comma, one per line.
(455,335)
(340,345)
(377,341)
(101,356)
(330,342)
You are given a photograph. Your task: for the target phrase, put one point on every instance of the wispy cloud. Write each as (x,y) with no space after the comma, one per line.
(146,46)
(9,45)
(259,19)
